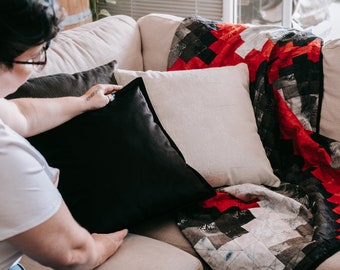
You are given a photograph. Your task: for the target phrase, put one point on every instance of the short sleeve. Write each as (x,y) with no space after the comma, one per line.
(28,196)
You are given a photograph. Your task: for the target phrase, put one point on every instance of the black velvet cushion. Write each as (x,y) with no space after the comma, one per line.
(118,166)
(64,84)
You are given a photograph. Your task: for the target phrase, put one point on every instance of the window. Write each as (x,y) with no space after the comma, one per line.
(301,14)
(265,11)
(232,11)
(211,9)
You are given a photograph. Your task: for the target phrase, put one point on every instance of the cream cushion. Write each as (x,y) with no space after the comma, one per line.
(142,253)
(156,49)
(209,116)
(95,44)
(139,253)
(330,110)
(332,263)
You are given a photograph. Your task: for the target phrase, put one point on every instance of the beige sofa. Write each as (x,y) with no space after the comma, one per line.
(144,45)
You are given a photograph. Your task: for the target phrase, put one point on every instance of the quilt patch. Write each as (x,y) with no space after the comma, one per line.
(295,226)
(243,237)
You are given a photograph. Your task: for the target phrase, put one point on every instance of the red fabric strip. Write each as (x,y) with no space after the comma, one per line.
(315,157)
(223,201)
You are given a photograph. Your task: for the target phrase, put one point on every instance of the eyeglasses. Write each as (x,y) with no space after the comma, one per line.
(38,61)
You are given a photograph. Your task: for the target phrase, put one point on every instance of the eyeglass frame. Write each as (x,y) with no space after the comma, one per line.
(31,61)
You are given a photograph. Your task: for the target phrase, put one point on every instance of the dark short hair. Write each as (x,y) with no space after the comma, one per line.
(25,24)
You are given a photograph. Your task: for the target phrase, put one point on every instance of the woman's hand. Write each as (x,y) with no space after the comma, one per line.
(100,95)
(108,244)
(31,116)
(61,243)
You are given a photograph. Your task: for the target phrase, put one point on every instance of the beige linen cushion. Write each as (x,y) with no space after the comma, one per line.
(209,116)
(330,110)
(157,32)
(95,44)
(332,263)
(140,253)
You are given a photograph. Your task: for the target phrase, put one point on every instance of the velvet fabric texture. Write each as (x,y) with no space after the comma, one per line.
(118,166)
(63,84)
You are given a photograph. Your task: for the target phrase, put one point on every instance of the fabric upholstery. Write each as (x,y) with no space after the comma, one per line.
(95,44)
(332,263)
(139,253)
(156,49)
(150,254)
(330,110)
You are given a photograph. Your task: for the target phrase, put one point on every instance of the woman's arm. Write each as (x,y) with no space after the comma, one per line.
(61,243)
(31,116)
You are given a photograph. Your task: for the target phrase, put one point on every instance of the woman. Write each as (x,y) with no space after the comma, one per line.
(34,220)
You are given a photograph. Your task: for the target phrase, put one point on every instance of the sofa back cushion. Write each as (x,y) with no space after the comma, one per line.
(95,44)
(209,115)
(157,32)
(330,110)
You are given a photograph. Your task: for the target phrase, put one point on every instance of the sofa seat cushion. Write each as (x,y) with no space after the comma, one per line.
(164,228)
(209,115)
(142,253)
(139,253)
(332,263)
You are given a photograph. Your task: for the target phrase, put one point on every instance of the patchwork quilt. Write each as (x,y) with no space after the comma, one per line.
(294,226)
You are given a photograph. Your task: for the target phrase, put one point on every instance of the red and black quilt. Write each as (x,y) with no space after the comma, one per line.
(294,226)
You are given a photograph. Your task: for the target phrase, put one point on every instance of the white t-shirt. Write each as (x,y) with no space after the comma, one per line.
(28,195)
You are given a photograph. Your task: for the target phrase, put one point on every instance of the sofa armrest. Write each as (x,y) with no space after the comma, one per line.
(156,49)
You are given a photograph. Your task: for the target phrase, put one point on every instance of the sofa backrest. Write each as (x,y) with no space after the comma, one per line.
(95,44)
